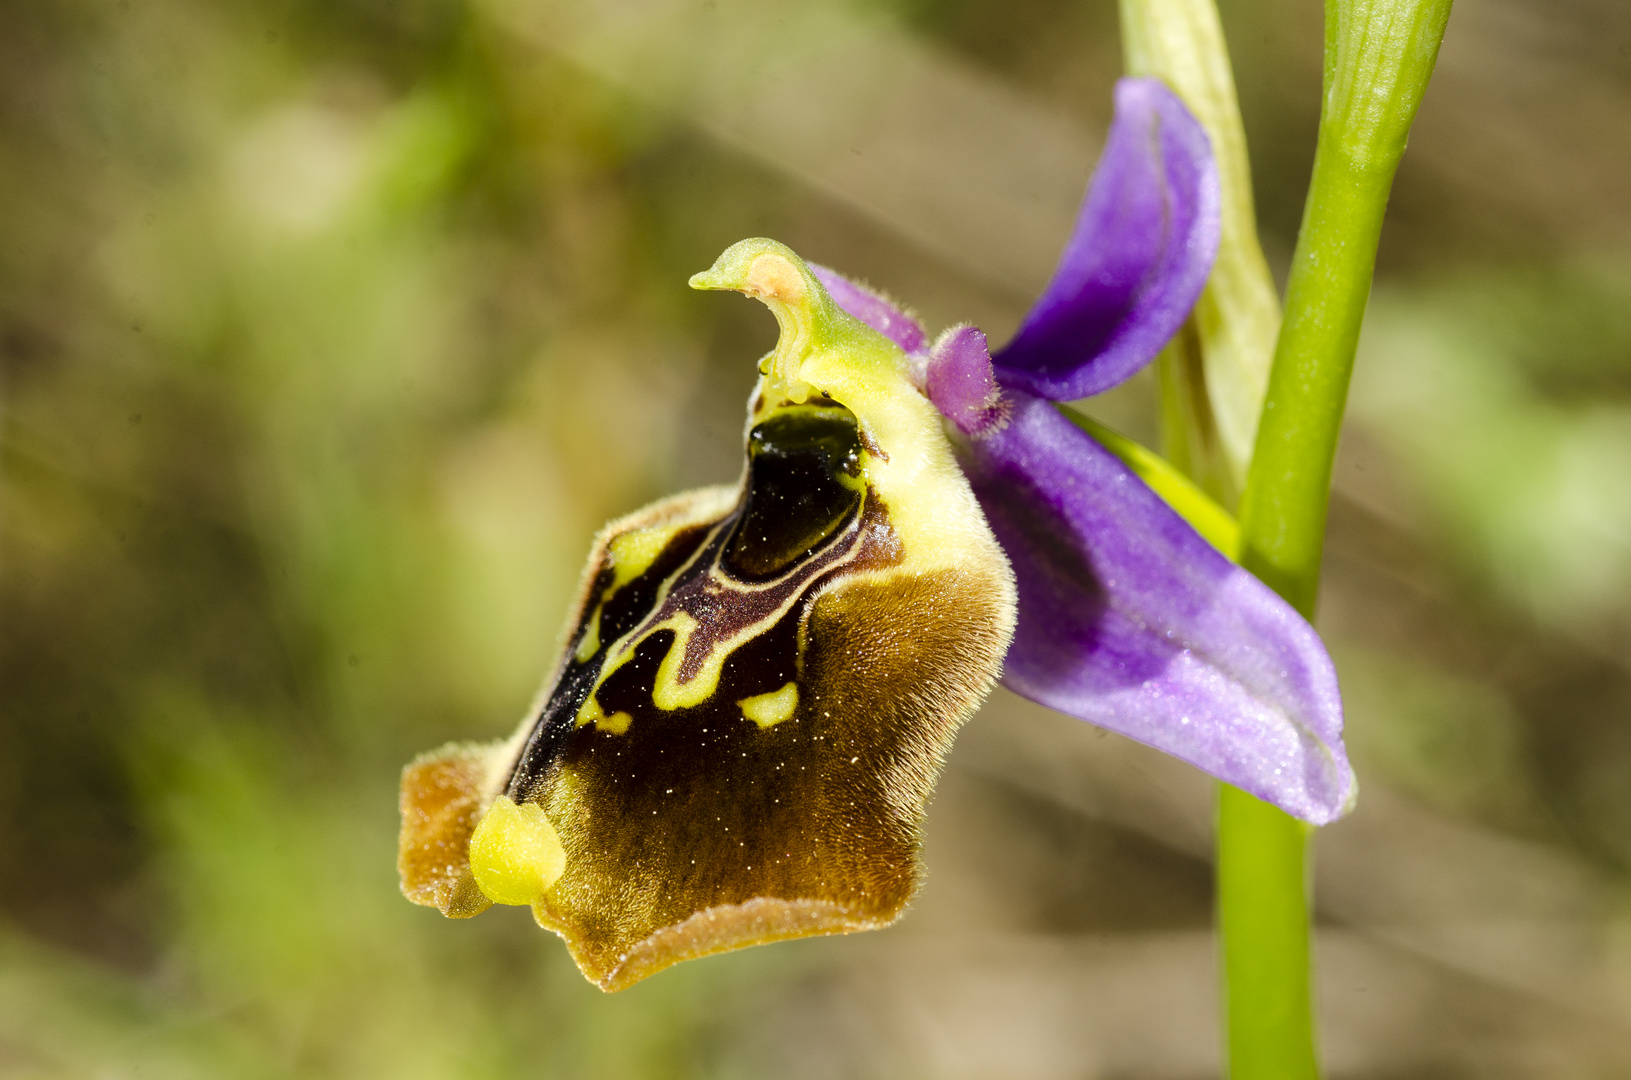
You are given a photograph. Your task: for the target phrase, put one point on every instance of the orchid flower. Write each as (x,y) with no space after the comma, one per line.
(759,682)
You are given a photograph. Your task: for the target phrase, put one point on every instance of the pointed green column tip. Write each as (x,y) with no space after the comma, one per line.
(762,268)
(821,344)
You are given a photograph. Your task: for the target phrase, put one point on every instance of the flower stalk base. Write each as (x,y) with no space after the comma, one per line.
(1263,907)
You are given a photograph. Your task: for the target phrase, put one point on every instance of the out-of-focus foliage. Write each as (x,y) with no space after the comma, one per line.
(332,333)
(329,333)
(1511,394)
(1504,397)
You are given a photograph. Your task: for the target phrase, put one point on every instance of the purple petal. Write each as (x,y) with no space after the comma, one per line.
(1128,619)
(959,380)
(874,309)
(1140,253)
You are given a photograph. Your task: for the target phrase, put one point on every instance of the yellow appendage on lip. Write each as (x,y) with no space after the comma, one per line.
(768,710)
(591,713)
(632,553)
(591,640)
(629,555)
(515,855)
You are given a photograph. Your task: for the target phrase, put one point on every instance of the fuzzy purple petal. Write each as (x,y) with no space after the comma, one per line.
(958,378)
(1137,260)
(1128,619)
(874,309)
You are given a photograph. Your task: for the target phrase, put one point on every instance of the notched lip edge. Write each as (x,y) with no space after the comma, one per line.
(710,931)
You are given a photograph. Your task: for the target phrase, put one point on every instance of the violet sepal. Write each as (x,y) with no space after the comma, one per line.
(1137,259)
(1130,620)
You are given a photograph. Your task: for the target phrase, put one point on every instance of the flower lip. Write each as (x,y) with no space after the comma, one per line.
(757,686)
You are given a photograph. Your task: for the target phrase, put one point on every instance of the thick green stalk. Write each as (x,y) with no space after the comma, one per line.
(1263,903)
(1379,55)
(1214,378)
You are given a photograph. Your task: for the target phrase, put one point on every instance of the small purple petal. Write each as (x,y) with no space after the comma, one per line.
(1128,619)
(874,309)
(959,380)
(1138,258)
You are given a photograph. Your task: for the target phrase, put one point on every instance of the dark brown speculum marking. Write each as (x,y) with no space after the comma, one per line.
(804,515)
(803,466)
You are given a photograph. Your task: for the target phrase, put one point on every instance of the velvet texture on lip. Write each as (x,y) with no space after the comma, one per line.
(758,683)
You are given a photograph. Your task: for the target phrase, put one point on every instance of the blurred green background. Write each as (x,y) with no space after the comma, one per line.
(331,331)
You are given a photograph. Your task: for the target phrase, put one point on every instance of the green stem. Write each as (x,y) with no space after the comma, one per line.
(1282,513)
(1379,56)
(1263,895)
